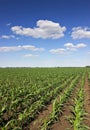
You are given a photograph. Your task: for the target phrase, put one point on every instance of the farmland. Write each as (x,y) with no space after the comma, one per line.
(45,98)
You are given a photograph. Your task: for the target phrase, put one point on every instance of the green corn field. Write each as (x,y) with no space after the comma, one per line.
(26,93)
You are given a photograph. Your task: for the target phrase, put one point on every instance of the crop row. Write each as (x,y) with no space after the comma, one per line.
(78,109)
(31,110)
(58,105)
(25,92)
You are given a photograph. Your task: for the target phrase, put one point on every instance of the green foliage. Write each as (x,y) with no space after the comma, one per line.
(24,92)
(78,109)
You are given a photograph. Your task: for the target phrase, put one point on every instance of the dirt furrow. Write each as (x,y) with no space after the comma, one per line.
(36,124)
(87,102)
(63,123)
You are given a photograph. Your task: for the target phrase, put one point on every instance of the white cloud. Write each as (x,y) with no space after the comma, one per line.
(11,48)
(73,47)
(81,45)
(30,55)
(33,48)
(58,51)
(79,33)
(8,24)
(18,48)
(8,37)
(44,29)
(5,37)
(68,48)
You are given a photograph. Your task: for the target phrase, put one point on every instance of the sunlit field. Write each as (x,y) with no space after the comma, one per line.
(44,98)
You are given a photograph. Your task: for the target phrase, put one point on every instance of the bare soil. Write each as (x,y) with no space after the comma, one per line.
(63,123)
(37,123)
(87,102)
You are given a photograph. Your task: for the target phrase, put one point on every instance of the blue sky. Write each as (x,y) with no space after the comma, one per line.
(44,33)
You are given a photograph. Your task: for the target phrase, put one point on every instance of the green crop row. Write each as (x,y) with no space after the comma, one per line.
(24,92)
(78,109)
(30,112)
(58,105)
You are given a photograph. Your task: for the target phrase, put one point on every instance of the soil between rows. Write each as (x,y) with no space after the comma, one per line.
(62,124)
(87,102)
(37,123)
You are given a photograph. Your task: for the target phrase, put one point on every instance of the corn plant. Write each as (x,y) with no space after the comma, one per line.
(24,92)
(78,109)
(58,105)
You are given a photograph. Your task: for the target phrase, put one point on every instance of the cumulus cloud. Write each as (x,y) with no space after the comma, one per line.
(7,36)
(18,48)
(81,45)
(30,55)
(44,29)
(73,47)
(58,51)
(79,33)
(68,48)
(11,48)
